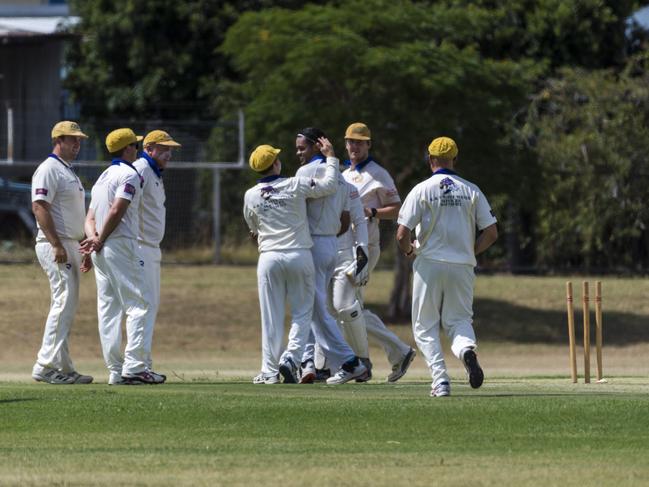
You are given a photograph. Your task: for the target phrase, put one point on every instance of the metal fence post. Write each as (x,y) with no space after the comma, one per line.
(216,215)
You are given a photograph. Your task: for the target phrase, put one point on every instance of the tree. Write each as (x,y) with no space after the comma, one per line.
(589,133)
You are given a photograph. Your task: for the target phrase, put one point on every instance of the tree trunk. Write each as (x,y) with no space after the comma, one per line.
(399,307)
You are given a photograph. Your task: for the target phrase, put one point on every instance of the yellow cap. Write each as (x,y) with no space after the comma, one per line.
(160,137)
(443,147)
(263,157)
(120,138)
(67,128)
(358,131)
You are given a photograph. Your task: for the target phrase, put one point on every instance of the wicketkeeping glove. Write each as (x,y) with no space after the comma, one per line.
(358,271)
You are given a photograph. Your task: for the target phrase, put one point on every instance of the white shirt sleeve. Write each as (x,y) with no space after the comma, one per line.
(387,192)
(484,215)
(128,186)
(44,183)
(319,187)
(411,210)
(250,217)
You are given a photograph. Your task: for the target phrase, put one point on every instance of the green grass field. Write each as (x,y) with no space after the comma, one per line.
(528,425)
(510,432)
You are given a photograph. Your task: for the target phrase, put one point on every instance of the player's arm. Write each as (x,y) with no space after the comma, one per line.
(404,241)
(387,212)
(115,215)
(486,239)
(43,214)
(345,221)
(328,183)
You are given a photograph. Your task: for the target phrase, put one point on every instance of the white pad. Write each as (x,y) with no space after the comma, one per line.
(352,323)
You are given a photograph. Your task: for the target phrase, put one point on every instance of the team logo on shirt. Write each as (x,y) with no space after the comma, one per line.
(130,189)
(267,192)
(447,186)
(42,191)
(358,177)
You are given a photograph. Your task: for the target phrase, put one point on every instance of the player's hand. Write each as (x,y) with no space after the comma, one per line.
(89,245)
(325,147)
(86,263)
(60,255)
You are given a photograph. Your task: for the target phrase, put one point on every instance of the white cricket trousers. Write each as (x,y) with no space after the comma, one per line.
(394,348)
(442,293)
(121,289)
(64,291)
(282,275)
(152,257)
(325,330)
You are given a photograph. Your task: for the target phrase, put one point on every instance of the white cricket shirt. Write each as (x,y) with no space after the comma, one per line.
(119,180)
(445,210)
(377,189)
(324,213)
(152,204)
(275,209)
(56,182)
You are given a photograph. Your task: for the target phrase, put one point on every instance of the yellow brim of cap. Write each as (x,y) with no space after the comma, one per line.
(357,137)
(139,138)
(170,143)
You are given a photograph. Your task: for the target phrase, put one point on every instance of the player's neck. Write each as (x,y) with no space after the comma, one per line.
(59,153)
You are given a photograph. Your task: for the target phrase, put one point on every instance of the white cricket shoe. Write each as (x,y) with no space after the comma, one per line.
(308,372)
(265,379)
(52,376)
(442,389)
(400,368)
(350,370)
(145,377)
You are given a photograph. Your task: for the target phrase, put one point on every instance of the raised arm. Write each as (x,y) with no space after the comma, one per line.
(319,187)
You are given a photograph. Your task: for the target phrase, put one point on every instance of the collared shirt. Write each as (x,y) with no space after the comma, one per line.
(445,211)
(377,189)
(275,208)
(152,214)
(324,213)
(119,180)
(55,182)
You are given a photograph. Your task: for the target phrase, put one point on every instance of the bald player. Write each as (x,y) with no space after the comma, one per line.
(380,201)
(59,205)
(158,148)
(445,210)
(275,211)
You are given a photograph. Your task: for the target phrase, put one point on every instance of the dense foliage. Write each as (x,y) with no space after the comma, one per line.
(543,96)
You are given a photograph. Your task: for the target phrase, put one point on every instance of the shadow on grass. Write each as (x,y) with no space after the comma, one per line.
(24,399)
(496,320)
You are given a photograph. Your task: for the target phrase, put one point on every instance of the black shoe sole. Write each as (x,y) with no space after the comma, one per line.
(476,376)
(287,374)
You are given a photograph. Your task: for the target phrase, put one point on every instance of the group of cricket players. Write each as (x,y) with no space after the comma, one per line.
(318,239)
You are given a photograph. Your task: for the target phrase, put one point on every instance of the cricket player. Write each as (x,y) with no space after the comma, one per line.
(112,230)
(324,217)
(59,205)
(380,201)
(445,210)
(158,148)
(275,211)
